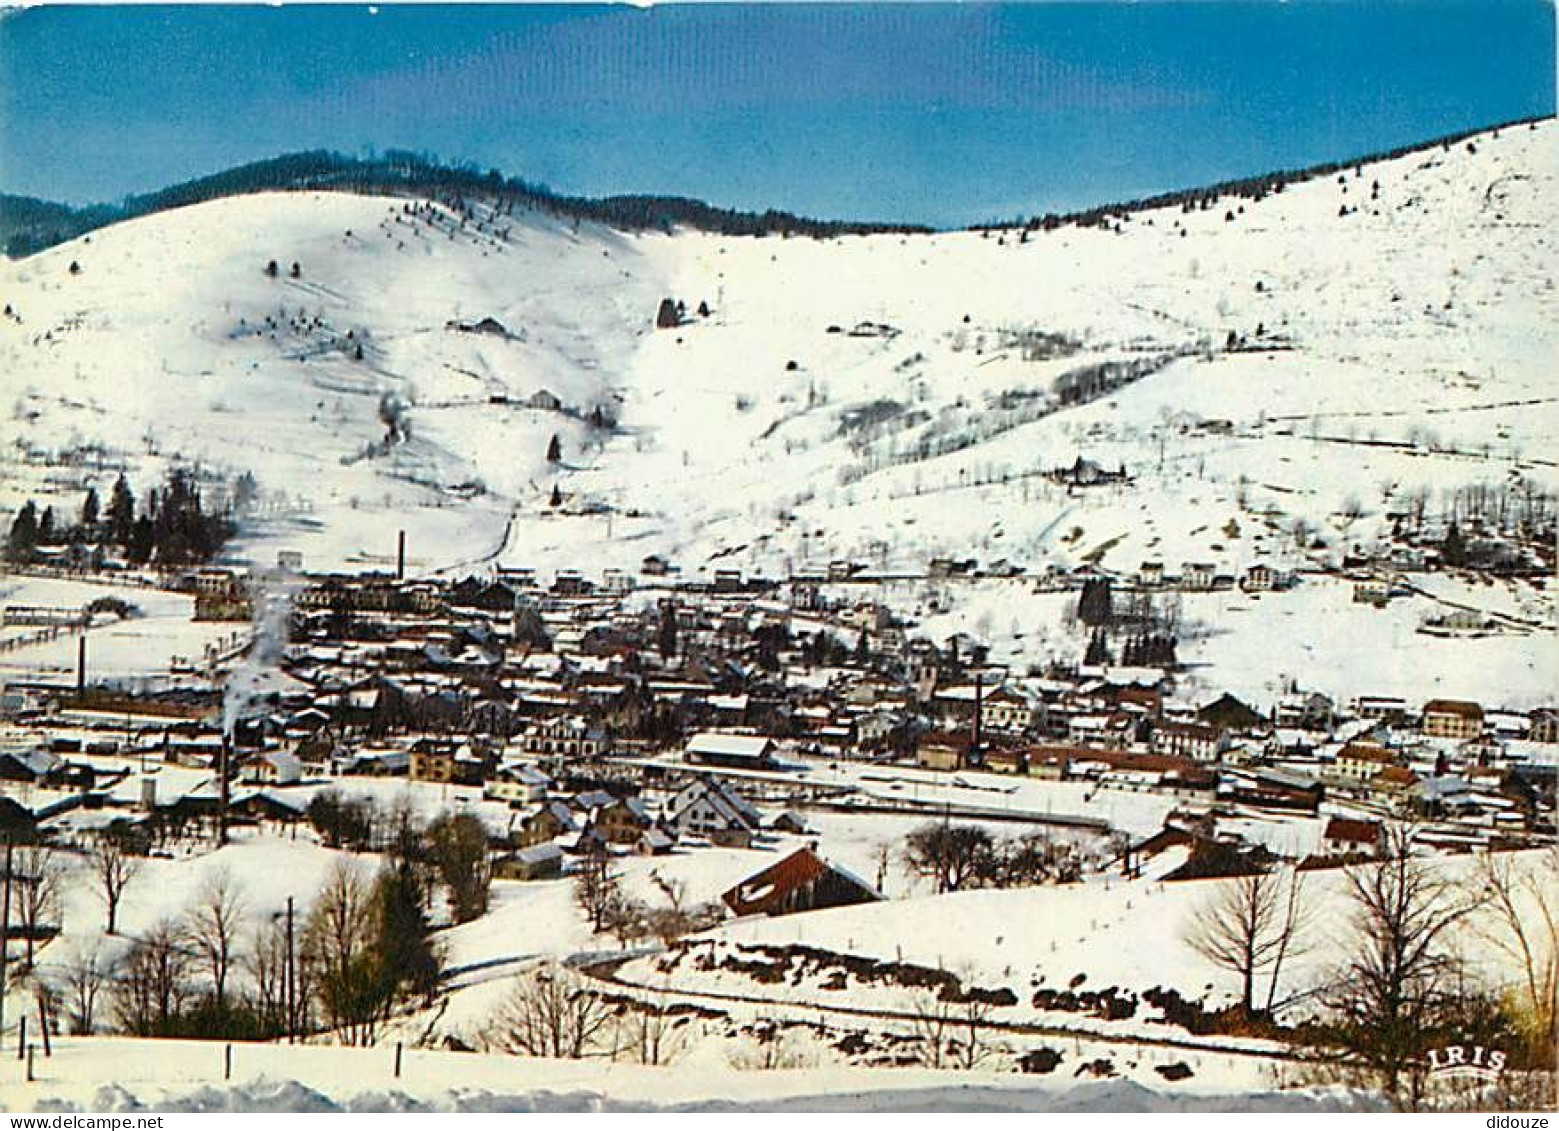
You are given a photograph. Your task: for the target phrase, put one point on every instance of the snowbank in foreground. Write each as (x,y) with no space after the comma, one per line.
(1115,1095)
(105,1074)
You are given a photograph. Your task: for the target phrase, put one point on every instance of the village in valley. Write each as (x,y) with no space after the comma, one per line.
(725,749)
(871,686)
(640,713)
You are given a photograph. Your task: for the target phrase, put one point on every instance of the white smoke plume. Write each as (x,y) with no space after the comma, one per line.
(258,672)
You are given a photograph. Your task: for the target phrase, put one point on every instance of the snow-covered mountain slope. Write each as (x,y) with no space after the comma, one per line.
(1396,321)
(174,343)
(887,398)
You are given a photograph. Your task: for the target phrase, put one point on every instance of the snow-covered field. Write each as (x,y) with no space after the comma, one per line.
(187,1076)
(159,637)
(1100,935)
(1256,645)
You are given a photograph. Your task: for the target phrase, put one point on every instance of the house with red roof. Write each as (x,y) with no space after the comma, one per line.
(803,881)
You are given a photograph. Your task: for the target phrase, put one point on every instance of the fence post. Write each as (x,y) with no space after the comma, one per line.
(227,1062)
(21,1038)
(397,1060)
(29,1062)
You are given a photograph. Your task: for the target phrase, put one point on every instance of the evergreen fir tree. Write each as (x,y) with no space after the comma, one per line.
(121,513)
(1094,604)
(1098,650)
(409,961)
(89,509)
(138,547)
(246,489)
(554,449)
(666,637)
(22,542)
(1454,548)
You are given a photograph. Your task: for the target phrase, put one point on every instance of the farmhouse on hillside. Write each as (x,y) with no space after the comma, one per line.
(803,881)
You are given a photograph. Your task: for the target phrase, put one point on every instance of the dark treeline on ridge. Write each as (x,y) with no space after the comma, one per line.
(1249,188)
(28,225)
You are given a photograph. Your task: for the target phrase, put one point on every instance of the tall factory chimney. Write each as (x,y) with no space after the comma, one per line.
(224,789)
(979,704)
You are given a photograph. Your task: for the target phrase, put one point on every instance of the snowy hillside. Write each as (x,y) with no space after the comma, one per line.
(173,342)
(1303,362)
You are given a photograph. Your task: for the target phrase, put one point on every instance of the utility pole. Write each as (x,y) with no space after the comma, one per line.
(289,982)
(979,691)
(5,930)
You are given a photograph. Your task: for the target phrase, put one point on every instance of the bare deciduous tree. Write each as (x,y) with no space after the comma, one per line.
(266,964)
(214,926)
(114,868)
(339,951)
(153,982)
(551,1012)
(949,855)
(458,847)
(83,977)
(283,983)
(1248,926)
(38,872)
(1292,933)
(1521,919)
(971,1048)
(945,1034)
(1397,992)
(651,1032)
(597,889)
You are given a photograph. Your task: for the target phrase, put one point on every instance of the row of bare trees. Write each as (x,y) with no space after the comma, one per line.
(218,970)
(360,952)
(553,1010)
(1405,981)
(176,977)
(959,856)
(599,893)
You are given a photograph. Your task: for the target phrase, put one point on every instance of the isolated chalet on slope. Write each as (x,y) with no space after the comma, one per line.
(803,881)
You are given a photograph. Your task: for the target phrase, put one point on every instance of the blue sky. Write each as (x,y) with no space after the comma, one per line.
(940,114)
